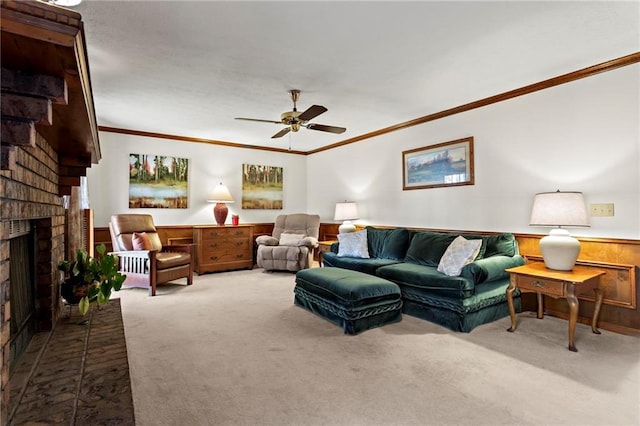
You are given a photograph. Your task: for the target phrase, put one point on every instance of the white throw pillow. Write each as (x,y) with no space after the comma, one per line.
(460,252)
(353,244)
(290,239)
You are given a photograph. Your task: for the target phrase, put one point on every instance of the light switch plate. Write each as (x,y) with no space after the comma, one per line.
(601,210)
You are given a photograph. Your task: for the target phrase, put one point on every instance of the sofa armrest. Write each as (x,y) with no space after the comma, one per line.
(491,268)
(267,240)
(310,242)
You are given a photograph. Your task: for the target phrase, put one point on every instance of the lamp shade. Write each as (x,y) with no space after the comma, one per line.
(221,195)
(559,209)
(346,211)
(559,249)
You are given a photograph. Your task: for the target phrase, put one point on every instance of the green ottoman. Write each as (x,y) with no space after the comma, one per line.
(352,300)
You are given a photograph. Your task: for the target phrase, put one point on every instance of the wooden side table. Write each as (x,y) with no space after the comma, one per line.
(324,247)
(537,278)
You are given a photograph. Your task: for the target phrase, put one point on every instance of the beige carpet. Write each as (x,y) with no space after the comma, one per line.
(232,349)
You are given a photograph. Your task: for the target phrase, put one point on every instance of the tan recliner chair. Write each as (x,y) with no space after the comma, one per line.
(156,265)
(291,244)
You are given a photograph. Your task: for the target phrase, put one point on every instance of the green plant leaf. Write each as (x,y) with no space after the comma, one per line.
(102,299)
(83,306)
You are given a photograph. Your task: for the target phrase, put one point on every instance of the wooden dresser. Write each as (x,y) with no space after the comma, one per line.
(223,248)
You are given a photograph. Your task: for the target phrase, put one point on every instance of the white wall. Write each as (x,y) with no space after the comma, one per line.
(581,136)
(108,181)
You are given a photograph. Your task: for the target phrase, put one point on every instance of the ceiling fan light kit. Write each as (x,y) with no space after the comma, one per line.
(295,119)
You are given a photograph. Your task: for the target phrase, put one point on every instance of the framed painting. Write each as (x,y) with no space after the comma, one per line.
(444,164)
(157,181)
(262,187)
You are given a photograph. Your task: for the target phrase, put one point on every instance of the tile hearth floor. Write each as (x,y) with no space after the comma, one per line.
(76,375)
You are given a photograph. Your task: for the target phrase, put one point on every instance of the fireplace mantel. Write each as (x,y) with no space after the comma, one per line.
(46,87)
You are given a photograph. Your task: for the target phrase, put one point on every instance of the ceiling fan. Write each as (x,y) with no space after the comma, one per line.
(295,119)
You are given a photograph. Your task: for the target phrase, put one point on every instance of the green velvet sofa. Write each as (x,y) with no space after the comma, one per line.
(410,259)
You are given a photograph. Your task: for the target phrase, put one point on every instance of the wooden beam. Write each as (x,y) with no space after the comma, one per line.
(69,181)
(78,160)
(72,171)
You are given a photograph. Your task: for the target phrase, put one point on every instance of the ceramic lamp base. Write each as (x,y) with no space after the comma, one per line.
(220,212)
(559,250)
(346,227)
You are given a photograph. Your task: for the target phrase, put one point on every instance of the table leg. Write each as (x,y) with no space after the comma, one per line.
(512,309)
(596,311)
(540,305)
(572,300)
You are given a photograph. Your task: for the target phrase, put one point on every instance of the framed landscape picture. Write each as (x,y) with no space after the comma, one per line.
(262,187)
(444,164)
(157,181)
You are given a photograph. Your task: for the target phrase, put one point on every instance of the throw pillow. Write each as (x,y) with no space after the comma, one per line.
(459,253)
(353,244)
(290,239)
(141,241)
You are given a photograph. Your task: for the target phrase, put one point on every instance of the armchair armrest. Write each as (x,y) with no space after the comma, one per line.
(136,261)
(267,240)
(310,242)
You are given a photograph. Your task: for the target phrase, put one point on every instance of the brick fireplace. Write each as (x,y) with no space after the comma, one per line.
(49,138)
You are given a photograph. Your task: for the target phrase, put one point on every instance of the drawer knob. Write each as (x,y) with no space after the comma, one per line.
(538,284)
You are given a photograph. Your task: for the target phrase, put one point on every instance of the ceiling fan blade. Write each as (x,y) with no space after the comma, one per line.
(281,133)
(312,112)
(257,119)
(323,128)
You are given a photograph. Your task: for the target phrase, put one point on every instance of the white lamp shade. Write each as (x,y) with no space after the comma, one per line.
(346,211)
(221,195)
(559,209)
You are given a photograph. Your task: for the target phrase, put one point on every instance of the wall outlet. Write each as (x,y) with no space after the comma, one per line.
(601,210)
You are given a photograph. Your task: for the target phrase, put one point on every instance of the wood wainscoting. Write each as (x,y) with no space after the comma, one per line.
(619,258)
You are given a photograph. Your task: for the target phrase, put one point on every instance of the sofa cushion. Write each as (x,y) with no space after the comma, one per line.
(428,279)
(427,248)
(387,243)
(287,239)
(165,260)
(368,266)
(501,244)
(353,244)
(460,252)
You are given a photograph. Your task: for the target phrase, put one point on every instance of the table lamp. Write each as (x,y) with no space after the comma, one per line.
(557,209)
(221,196)
(346,212)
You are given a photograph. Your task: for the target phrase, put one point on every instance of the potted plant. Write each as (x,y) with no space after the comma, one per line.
(89,280)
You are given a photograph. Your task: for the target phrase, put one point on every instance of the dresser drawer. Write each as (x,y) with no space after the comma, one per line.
(236,244)
(224,256)
(546,286)
(226,232)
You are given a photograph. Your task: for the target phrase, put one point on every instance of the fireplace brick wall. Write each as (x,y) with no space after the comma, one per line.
(30,192)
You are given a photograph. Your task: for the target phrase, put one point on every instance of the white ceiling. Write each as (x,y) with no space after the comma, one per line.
(189,67)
